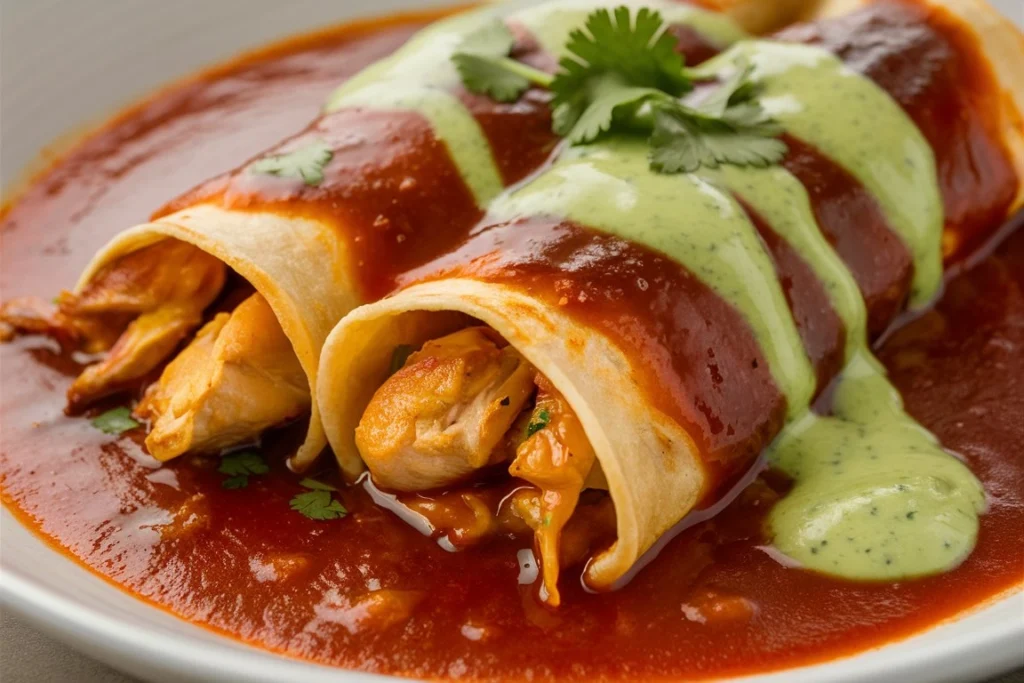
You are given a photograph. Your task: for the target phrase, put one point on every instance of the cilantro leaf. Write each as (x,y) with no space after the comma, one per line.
(541,420)
(683,140)
(491,76)
(237,482)
(493,39)
(306,162)
(239,465)
(482,62)
(399,356)
(115,421)
(737,89)
(316,485)
(243,462)
(641,51)
(318,505)
(614,107)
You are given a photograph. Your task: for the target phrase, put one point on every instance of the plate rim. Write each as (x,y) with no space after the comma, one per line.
(979,653)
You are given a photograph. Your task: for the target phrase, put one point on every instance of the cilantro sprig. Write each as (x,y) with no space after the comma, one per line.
(115,421)
(318,503)
(624,74)
(486,69)
(239,466)
(538,422)
(306,163)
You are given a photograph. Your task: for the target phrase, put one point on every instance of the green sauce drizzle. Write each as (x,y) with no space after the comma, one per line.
(610,187)
(420,76)
(851,120)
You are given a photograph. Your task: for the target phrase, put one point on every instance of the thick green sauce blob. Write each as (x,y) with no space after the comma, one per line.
(875,496)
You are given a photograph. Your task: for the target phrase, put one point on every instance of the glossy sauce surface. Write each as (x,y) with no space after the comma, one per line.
(712,604)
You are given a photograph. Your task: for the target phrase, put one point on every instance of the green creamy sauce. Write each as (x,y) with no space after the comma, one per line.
(610,187)
(875,496)
(420,77)
(852,121)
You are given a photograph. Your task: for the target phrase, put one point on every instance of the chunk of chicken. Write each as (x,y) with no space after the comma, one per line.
(441,416)
(149,301)
(149,339)
(238,377)
(33,315)
(591,527)
(556,458)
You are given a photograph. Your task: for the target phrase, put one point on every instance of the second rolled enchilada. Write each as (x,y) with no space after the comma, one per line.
(606,327)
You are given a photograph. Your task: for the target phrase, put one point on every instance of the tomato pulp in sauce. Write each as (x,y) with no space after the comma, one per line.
(369,592)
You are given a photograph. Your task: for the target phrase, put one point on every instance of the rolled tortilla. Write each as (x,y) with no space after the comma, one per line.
(529,270)
(397,170)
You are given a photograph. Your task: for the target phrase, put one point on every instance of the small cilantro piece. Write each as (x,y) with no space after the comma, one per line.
(237,482)
(318,505)
(239,466)
(482,61)
(492,76)
(306,162)
(539,422)
(400,354)
(684,140)
(316,485)
(115,421)
(615,107)
(493,39)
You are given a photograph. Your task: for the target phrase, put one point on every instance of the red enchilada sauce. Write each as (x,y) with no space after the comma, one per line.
(240,562)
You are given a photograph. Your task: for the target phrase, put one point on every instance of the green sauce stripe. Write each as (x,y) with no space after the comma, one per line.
(851,120)
(609,186)
(420,76)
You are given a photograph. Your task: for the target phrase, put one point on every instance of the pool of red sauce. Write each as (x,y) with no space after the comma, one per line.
(240,562)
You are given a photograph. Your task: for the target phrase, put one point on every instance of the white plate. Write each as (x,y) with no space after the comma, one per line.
(66,63)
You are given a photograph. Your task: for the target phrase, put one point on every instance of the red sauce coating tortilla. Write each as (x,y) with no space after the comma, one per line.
(241,563)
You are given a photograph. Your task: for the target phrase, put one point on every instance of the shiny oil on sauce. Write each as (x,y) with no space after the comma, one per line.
(240,562)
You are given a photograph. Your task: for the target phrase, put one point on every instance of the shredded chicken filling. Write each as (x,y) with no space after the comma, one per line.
(469,401)
(238,377)
(234,379)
